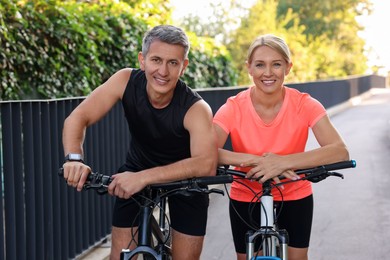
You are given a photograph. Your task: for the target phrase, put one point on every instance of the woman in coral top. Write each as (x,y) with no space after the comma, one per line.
(268,124)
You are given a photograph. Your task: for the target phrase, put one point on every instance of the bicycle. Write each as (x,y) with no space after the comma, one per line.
(154,240)
(275,240)
(153,235)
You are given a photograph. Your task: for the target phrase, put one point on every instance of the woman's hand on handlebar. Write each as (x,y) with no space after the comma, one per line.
(76,173)
(268,166)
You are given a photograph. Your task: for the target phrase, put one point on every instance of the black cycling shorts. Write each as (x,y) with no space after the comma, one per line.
(295,216)
(188,214)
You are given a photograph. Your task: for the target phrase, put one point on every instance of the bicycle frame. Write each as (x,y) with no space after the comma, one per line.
(275,241)
(271,235)
(149,226)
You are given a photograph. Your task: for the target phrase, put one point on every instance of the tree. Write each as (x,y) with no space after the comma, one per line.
(225,17)
(153,12)
(263,19)
(322,36)
(326,17)
(333,22)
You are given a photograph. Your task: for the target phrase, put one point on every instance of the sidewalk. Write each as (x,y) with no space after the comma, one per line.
(99,252)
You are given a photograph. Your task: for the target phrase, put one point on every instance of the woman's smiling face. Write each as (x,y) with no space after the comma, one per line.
(268,69)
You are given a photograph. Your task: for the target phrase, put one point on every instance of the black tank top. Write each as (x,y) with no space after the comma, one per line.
(158,136)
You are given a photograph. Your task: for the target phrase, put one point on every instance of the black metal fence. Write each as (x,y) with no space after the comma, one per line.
(41,217)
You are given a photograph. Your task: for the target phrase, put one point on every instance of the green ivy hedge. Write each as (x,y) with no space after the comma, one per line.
(53,49)
(210,64)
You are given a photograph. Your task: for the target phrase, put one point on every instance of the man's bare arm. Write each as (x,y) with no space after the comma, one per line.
(91,110)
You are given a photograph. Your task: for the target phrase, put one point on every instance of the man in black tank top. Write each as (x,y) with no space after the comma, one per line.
(172,139)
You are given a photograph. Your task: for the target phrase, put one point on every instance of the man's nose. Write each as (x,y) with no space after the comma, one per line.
(163,69)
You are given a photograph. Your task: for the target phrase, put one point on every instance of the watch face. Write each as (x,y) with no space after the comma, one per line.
(74,157)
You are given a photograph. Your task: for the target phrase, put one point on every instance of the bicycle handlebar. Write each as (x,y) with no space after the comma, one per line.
(314,174)
(100,182)
(224,175)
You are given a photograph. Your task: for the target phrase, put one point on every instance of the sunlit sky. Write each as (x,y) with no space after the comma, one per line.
(375,33)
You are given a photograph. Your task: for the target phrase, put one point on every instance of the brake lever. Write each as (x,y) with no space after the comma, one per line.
(336,174)
(206,190)
(89,186)
(103,190)
(218,191)
(100,189)
(194,187)
(317,175)
(322,174)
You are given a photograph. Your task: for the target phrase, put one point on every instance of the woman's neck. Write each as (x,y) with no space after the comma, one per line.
(267,106)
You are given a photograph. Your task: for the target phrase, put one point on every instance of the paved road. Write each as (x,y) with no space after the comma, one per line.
(351,216)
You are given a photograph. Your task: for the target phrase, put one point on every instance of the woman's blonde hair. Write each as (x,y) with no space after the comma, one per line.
(272,41)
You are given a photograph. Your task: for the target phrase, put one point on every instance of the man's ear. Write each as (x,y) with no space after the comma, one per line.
(185,64)
(141,60)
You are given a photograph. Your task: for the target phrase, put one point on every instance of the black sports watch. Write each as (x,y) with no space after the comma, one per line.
(74,157)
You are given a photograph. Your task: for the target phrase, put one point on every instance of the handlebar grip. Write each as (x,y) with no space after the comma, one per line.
(93,178)
(340,165)
(330,167)
(89,177)
(221,179)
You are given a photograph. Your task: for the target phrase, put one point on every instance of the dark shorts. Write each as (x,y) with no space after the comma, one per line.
(188,214)
(295,216)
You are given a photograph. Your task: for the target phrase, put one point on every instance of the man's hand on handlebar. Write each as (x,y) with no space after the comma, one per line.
(125,185)
(76,173)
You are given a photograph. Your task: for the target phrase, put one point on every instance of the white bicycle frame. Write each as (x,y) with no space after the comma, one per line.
(275,241)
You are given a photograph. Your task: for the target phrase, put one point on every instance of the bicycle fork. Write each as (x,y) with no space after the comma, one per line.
(271,237)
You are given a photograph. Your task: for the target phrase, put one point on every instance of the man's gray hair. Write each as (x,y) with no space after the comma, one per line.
(166,33)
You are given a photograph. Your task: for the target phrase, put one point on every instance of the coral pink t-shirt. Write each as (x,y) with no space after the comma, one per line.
(286,134)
